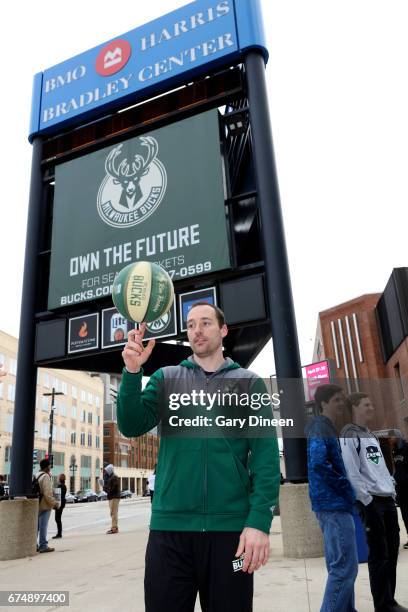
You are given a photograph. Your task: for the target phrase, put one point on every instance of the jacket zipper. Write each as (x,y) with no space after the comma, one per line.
(205,470)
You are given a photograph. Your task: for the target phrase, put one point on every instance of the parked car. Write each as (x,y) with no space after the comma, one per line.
(125,494)
(70,498)
(102,496)
(86,495)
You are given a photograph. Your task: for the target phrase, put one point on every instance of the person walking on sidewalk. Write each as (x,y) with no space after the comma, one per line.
(400,454)
(332,500)
(59,511)
(47,503)
(214,497)
(112,489)
(150,482)
(375,492)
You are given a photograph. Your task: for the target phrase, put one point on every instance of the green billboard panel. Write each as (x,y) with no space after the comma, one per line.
(157,197)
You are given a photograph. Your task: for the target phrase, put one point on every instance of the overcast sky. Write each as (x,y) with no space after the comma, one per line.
(338,91)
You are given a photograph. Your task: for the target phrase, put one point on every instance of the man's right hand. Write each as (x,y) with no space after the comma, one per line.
(135,354)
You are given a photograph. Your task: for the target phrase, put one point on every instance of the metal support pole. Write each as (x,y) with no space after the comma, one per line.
(51,429)
(26,383)
(282,314)
(52,396)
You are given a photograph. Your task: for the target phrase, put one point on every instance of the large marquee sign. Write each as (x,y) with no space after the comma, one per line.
(157,197)
(153,57)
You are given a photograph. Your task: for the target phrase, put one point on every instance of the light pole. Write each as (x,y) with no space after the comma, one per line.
(73,468)
(52,395)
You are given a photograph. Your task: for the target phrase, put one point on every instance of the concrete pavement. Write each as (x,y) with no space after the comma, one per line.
(105,573)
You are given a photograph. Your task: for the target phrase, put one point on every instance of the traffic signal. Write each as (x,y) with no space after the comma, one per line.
(51,460)
(35,455)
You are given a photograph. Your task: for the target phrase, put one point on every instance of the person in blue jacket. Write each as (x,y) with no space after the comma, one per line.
(332,499)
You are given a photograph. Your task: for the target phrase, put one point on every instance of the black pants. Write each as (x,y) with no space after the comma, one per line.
(58,514)
(180,564)
(381,524)
(403,504)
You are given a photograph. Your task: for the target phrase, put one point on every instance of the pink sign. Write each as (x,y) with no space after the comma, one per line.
(316,374)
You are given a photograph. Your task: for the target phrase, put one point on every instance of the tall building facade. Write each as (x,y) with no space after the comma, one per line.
(134,458)
(367,340)
(77,432)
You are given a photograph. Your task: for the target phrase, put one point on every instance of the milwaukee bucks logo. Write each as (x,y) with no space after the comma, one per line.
(134,185)
(373,454)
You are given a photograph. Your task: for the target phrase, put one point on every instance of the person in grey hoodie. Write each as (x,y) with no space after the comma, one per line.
(375,493)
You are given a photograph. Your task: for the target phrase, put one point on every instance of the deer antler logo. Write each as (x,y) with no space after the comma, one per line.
(134,185)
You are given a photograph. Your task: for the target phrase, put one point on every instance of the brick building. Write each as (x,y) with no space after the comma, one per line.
(366,339)
(134,458)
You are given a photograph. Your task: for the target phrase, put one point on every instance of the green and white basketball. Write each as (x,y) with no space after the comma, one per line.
(143,292)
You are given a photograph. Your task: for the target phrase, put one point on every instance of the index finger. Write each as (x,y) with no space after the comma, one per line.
(140,332)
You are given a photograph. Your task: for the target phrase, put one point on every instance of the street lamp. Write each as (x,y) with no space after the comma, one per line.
(52,395)
(73,468)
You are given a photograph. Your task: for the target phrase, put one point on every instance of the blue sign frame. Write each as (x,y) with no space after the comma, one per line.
(161,54)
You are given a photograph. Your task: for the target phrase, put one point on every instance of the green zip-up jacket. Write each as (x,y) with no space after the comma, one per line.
(203,483)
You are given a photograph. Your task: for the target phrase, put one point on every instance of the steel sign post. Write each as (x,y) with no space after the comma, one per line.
(24,406)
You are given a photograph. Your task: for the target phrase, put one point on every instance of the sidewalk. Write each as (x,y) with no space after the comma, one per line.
(105,573)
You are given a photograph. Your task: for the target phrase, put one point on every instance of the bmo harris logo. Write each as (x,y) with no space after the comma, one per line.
(113,57)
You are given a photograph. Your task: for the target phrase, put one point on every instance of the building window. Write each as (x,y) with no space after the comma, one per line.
(400,385)
(97,442)
(83,416)
(73,412)
(74,392)
(98,420)
(11,393)
(106,448)
(82,439)
(64,388)
(73,437)
(86,461)
(9,423)
(13,367)
(83,396)
(106,433)
(46,380)
(85,483)
(63,434)
(90,418)
(59,459)
(62,408)
(44,404)
(54,433)
(89,439)
(44,430)
(97,401)
(7,454)
(90,398)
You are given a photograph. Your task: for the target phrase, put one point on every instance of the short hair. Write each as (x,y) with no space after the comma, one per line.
(324,393)
(355,398)
(44,463)
(218,312)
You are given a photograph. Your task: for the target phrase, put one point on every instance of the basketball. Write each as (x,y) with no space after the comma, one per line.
(143,292)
